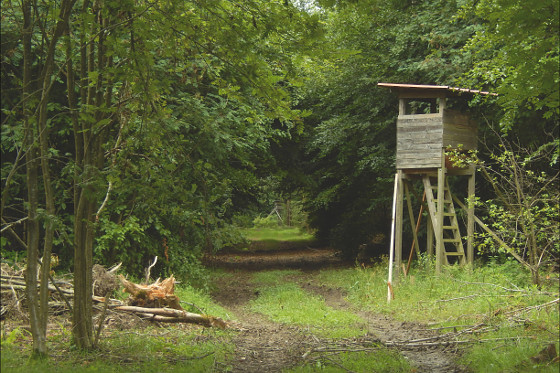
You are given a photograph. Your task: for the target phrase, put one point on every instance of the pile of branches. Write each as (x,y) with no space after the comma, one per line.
(14,302)
(156,302)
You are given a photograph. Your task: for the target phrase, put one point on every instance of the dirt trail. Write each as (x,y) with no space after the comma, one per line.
(434,359)
(261,345)
(264,346)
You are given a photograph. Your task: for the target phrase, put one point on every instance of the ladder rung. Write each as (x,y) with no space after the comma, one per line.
(455,254)
(451,240)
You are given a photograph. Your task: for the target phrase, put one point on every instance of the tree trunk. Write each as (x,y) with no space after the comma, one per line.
(91,159)
(32,179)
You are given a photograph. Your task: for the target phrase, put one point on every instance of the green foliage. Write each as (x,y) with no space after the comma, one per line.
(516,53)
(276,234)
(193,94)
(525,213)
(9,338)
(270,221)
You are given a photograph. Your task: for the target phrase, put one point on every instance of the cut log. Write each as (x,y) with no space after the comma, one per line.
(173,315)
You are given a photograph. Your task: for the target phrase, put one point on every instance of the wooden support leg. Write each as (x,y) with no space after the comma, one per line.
(414,228)
(398,225)
(430,239)
(470,216)
(440,210)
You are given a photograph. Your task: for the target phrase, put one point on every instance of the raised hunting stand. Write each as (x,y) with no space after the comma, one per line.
(425,129)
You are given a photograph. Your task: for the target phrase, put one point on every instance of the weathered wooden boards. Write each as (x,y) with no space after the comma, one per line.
(421,138)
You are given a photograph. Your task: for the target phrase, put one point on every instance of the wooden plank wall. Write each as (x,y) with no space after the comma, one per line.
(421,137)
(459,129)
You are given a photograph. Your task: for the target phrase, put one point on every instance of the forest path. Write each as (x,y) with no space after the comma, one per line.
(266,346)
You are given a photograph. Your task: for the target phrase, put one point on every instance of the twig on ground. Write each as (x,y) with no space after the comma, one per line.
(338,364)
(525,309)
(443,327)
(516,290)
(193,306)
(449,343)
(101,319)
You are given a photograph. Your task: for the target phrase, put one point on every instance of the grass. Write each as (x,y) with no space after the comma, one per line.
(168,349)
(143,351)
(277,234)
(380,361)
(198,300)
(492,294)
(285,302)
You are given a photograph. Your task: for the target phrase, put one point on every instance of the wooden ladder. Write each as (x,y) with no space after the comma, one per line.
(452,242)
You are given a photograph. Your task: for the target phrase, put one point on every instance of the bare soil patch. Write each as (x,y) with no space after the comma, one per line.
(261,345)
(309,258)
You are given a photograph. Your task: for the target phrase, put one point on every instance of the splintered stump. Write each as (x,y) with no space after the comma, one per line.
(156,295)
(158,303)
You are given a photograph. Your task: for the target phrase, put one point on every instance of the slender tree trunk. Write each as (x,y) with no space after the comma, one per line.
(92,161)
(32,179)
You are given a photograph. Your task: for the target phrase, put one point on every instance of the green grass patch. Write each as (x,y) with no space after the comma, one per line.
(190,296)
(276,234)
(493,294)
(382,360)
(289,304)
(129,351)
(273,277)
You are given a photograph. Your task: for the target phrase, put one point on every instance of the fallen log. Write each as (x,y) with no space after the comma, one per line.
(173,315)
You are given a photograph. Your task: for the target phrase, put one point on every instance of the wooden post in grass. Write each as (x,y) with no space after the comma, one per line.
(392,245)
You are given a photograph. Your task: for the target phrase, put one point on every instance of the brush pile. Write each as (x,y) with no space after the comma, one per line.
(155,302)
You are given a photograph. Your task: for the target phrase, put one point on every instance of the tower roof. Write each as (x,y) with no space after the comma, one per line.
(430,91)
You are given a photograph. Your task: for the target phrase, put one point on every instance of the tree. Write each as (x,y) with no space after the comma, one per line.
(524,212)
(516,54)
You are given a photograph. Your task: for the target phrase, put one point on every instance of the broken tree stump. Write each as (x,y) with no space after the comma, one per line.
(157,302)
(156,295)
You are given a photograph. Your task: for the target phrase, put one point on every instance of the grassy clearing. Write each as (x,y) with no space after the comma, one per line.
(495,295)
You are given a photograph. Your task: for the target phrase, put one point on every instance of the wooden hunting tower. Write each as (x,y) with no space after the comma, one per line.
(425,129)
